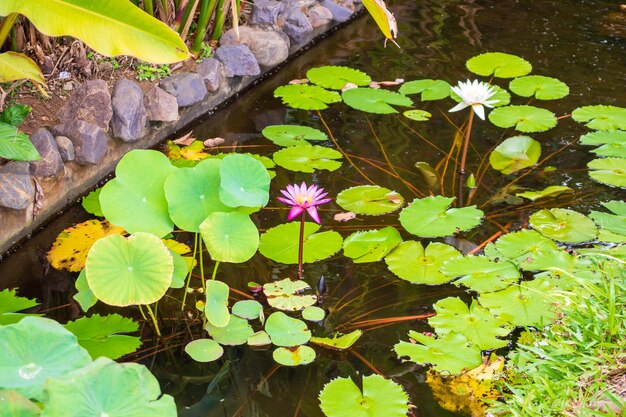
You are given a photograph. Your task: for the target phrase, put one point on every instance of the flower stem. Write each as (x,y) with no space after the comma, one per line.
(301,247)
(468,132)
(154,320)
(195,249)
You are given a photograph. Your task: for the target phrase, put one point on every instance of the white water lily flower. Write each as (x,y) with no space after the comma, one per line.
(475,94)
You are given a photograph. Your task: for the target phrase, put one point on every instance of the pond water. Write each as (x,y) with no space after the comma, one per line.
(567,39)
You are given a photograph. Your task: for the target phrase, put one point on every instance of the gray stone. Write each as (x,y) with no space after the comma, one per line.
(129,113)
(90,141)
(211,71)
(90,102)
(319,16)
(340,13)
(16,190)
(16,167)
(266,12)
(50,163)
(296,25)
(238,60)
(161,105)
(186,87)
(66,148)
(270,47)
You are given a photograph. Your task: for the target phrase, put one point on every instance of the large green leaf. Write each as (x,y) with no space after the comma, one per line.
(515,153)
(11,303)
(244,181)
(429,89)
(294,356)
(564,225)
(601,117)
(369,199)
(499,65)
(610,171)
(306,97)
(14,66)
(603,137)
(371,245)
(336,77)
(281,243)
(375,101)
(235,333)
(204,350)
(539,86)
(431,217)
(288,295)
(292,135)
(411,262)
(230,237)
(523,118)
(286,331)
(16,405)
(480,273)
(216,303)
(99,335)
(15,145)
(308,158)
(136,33)
(530,251)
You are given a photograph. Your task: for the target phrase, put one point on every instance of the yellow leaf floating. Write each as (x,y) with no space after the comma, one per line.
(69,250)
(194,152)
(176,247)
(384,19)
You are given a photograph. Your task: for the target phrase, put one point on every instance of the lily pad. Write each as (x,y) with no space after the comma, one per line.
(216,303)
(429,89)
(244,181)
(313,313)
(480,273)
(499,65)
(338,341)
(294,356)
(336,77)
(617,149)
(610,171)
(259,339)
(540,87)
(514,154)
(369,199)
(306,97)
(91,203)
(281,243)
(84,297)
(287,295)
(16,405)
(308,158)
(548,192)
(614,223)
(417,115)
(431,217)
(99,335)
(604,137)
(236,332)
(230,237)
(523,118)
(204,350)
(375,101)
(292,135)
(371,245)
(601,117)
(247,309)
(564,225)
(411,262)
(10,302)
(286,331)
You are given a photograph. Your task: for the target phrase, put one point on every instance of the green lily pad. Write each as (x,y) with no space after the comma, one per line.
(306,97)
(617,149)
(84,297)
(548,192)
(429,89)
(244,181)
(449,353)
(336,77)
(308,158)
(604,137)
(259,339)
(610,171)
(247,309)
(16,405)
(429,174)
(129,271)
(313,313)
(480,273)
(540,87)
(204,350)
(411,262)
(292,135)
(499,65)
(281,243)
(182,266)
(380,397)
(294,356)
(287,295)
(369,199)
(417,115)
(514,154)
(371,245)
(523,118)
(216,303)
(564,225)
(431,217)
(91,203)
(375,101)
(35,349)
(601,117)
(338,341)
(236,332)
(10,302)
(99,335)
(614,223)
(230,237)
(476,323)
(106,388)
(286,331)
(135,198)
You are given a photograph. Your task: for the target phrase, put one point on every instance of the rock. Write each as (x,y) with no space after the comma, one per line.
(90,102)
(210,70)
(319,16)
(238,60)
(186,87)
(66,148)
(129,113)
(50,163)
(270,47)
(266,12)
(161,105)
(16,190)
(296,25)
(340,13)
(90,141)
(16,167)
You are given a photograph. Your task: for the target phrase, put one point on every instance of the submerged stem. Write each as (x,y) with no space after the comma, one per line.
(154,320)
(468,133)
(301,247)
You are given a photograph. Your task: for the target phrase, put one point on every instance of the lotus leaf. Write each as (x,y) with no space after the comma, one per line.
(499,65)
(16,145)
(514,154)
(259,339)
(14,404)
(603,137)
(503,96)
(540,87)
(292,135)
(306,97)
(429,89)
(230,237)
(380,397)
(294,356)
(369,199)
(564,225)
(601,117)
(336,77)
(244,181)
(216,303)
(286,295)
(523,118)
(615,223)
(531,251)
(371,245)
(417,115)
(375,101)
(313,313)
(548,192)
(411,262)
(182,266)
(204,350)
(236,332)
(610,171)
(91,203)
(481,274)
(431,217)
(84,297)
(308,158)
(338,341)
(247,309)
(285,330)
(281,243)
(99,335)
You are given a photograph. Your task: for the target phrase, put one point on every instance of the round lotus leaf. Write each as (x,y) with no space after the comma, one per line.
(499,65)
(564,225)
(230,237)
(106,388)
(540,87)
(501,95)
(313,313)
(135,198)
(372,245)
(286,331)
(35,349)
(369,199)
(617,149)
(16,405)
(417,115)
(480,273)
(431,217)
(306,97)
(603,137)
(193,193)
(610,171)
(308,158)
(259,339)
(515,153)
(129,271)
(429,89)
(548,192)
(380,397)
(411,262)
(523,118)
(601,117)
(292,135)
(236,332)
(244,181)
(216,303)
(281,243)
(204,350)
(287,295)
(336,77)
(247,309)
(375,101)
(294,356)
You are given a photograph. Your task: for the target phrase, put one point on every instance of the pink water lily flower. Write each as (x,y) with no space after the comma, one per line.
(302,198)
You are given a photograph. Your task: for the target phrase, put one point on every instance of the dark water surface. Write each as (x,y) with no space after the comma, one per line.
(566,39)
